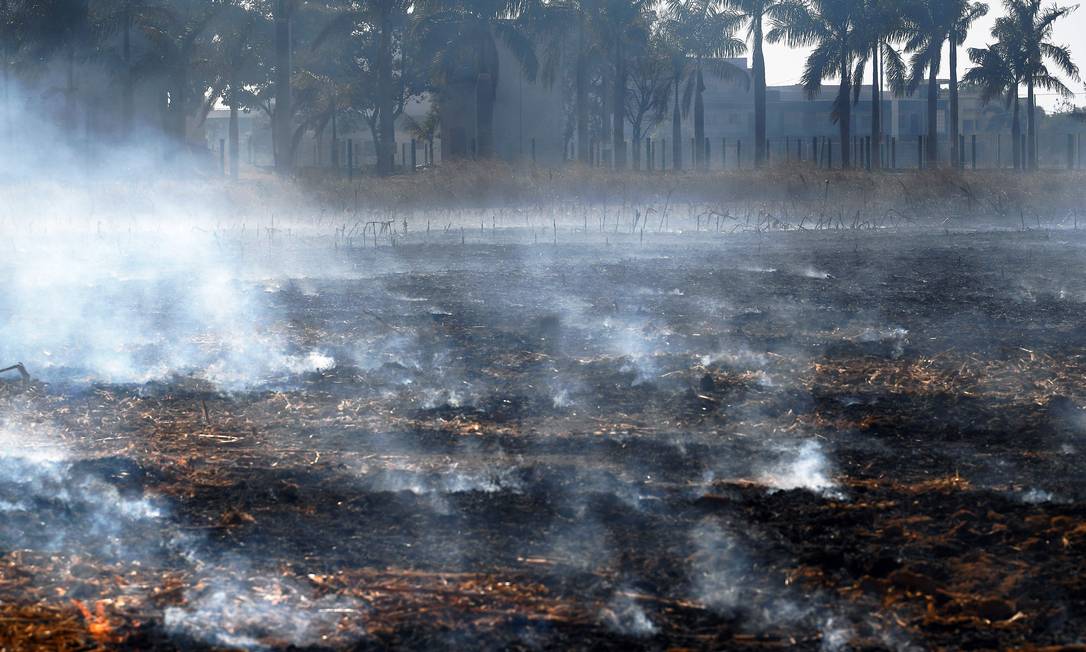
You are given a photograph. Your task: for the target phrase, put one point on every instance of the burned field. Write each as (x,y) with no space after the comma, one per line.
(804,440)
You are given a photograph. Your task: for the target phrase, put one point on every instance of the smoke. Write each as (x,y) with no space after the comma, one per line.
(252,610)
(625,616)
(804,466)
(52,502)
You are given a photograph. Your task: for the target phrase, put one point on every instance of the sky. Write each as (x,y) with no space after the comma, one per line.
(784,65)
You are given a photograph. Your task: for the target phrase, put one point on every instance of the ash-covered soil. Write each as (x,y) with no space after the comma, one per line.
(805,440)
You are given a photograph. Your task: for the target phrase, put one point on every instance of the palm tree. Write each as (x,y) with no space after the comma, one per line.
(966,14)
(994,73)
(283,17)
(1026,32)
(756,12)
(463,35)
(928,25)
(701,35)
(881,24)
(623,28)
(833,28)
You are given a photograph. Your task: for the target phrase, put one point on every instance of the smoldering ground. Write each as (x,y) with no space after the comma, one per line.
(256,429)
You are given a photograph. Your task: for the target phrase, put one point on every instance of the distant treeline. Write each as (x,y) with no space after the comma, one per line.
(311,64)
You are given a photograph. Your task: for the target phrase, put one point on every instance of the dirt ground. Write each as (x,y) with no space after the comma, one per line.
(797,440)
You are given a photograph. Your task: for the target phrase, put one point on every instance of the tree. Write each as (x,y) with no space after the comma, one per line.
(173,33)
(463,35)
(964,15)
(623,28)
(756,12)
(241,34)
(701,35)
(1026,32)
(927,26)
(376,31)
(995,75)
(832,28)
(879,26)
(283,16)
(647,99)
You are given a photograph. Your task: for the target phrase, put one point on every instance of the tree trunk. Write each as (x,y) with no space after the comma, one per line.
(845,119)
(618,110)
(127,76)
(283,101)
(955,155)
(484,114)
(386,129)
(699,120)
(876,109)
(759,93)
(1031,126)
(637,146)
(6,53)
(933,114)
(69,95)
(1016,133)
(335,136)
(583,153)
(235,140)
(676,131)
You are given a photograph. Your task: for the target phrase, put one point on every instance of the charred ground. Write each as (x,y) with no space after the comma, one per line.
(810,440)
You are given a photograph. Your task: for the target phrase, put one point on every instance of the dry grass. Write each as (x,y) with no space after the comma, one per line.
(937,194)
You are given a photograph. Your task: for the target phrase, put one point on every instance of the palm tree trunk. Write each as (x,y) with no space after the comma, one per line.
(844,96)
(5,52)
(69,94)
(484,113)
(1031,126)
(583,153)
(699,120)
(759,93)
(178,100)
(955,155)
(618,109)
(335,135)
(235,140)
(283,101)
(933,114)
(1016,133)
(128,84)
(876,109)
(676,131)
(386,131)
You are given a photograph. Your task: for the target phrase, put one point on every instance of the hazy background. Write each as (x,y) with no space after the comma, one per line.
(784,65)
